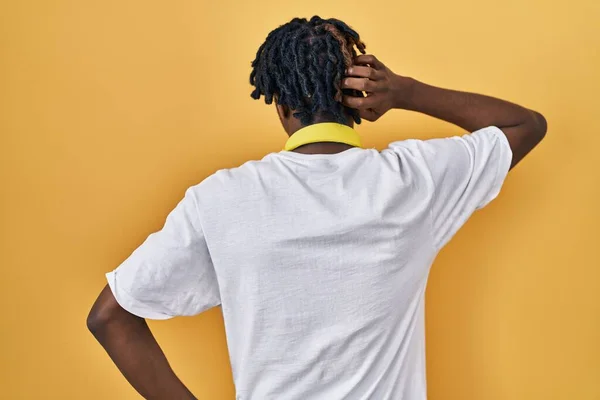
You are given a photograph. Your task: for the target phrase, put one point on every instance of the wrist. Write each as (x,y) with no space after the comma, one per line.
(403,91)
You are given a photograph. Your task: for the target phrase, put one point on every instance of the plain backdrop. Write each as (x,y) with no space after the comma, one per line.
(110,109)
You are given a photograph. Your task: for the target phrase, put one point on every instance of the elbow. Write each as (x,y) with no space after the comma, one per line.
(539,126)
(97,320)
(104,311)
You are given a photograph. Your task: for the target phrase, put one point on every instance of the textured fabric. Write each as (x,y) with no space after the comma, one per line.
(319,262)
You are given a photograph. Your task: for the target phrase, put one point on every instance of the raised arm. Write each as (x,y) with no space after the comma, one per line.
(524,128)
(132,347)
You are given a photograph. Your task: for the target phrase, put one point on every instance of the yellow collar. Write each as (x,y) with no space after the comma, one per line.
(323,132)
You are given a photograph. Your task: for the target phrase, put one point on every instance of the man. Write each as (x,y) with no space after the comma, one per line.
(318,254)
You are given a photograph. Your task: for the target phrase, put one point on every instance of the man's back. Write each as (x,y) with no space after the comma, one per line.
(334,253)
(320,262)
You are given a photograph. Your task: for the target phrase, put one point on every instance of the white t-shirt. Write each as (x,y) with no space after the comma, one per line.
(319,262)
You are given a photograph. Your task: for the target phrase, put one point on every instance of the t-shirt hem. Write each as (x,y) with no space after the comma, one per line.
(128,303)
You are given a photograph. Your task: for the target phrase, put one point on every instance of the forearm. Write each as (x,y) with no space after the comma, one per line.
(523,128)
(469,111)
(134,350)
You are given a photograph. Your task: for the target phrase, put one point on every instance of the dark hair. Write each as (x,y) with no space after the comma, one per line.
(301,64)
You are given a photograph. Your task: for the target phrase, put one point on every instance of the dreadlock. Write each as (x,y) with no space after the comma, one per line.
(301,64)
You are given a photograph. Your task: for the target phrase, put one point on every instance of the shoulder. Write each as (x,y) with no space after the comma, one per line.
(411,155)
(436,151)
(226,182)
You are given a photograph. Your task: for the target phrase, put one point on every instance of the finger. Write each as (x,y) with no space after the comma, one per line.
(369,59)
(357,102)
(369,114)
(363,72)
(361,84)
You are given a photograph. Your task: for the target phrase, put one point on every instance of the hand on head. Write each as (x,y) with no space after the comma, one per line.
(381,85)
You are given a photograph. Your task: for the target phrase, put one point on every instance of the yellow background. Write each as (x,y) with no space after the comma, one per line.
(109,110)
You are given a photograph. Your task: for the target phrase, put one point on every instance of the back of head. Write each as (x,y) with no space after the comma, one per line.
(301,65)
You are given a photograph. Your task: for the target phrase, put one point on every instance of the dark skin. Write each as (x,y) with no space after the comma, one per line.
(127,338)
(524,128)
(134,350)
(291,124)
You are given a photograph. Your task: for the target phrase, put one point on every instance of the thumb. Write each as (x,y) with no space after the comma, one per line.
(369,114)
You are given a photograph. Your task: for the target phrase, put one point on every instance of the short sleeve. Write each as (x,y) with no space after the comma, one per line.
(468,173)
(171,273)
(464,173)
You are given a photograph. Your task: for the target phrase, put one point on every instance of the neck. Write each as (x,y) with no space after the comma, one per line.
(294,124)
(322,148)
